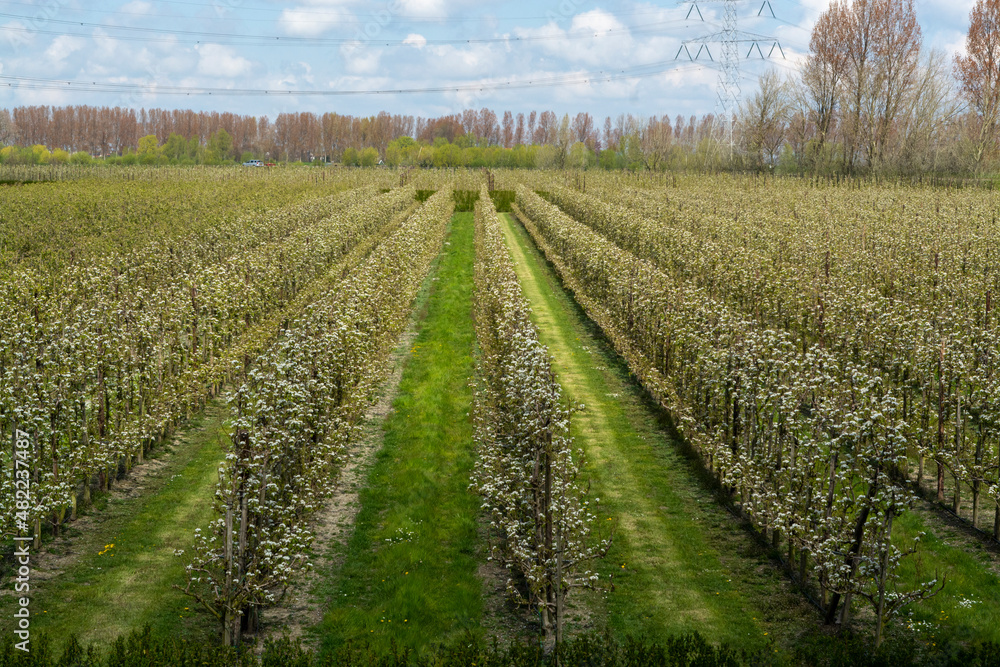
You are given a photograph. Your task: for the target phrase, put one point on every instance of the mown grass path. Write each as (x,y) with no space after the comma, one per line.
(680,562)
(969,606)
(85,586)
(409,569)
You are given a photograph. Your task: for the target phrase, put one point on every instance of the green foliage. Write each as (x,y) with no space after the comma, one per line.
(465,200)
(502,199)
(855,650)
(80,157)
(149,149)
(41,154)
(424,195)
(580,157)
(143,649)
(350,157)
(25,155)
(178,148)
(219,148)
(368,157)
(610,159)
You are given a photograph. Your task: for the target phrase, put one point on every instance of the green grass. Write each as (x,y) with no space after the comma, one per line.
(409,569)
(100,596)
(680,561)
(971,573)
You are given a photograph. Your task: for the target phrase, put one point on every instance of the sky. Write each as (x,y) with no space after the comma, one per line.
(600,56)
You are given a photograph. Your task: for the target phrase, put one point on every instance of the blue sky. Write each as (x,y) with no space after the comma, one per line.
(347,45)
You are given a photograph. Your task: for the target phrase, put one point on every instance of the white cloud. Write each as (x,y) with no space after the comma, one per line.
(597,20)
(960,7)
(360,59)
(416,40)
(952,42)
(814,7)
(221,61)
(303,23)
(450,62)
(364,82)
(137,7)
(593,38)
(62,47)
(17,35)
(422,7)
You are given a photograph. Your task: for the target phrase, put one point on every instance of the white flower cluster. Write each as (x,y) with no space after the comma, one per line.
(297,409)
(901,282)
(541,524)
(103,360)
(811,441)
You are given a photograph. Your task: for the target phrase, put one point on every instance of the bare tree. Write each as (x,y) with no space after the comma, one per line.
(520,137)
(610,138)
(882,39)
(655,140)
(978,74)
(897,59)
(8,134)
(584,130)
(564,139)
(932,103)
(547,128)
(507,130)
(764,119)
(825,68)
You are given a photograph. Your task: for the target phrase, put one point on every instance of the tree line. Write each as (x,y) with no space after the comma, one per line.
(871,98)
(44,134)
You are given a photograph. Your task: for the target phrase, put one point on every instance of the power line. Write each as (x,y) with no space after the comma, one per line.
(329,15)
(729,38)
(639,71)
(243,39)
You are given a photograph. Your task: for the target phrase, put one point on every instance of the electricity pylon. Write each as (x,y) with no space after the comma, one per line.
(729,40)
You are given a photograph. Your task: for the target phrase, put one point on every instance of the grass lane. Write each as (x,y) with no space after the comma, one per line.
(97,591)
(969,606)
(408,572)
(680,561)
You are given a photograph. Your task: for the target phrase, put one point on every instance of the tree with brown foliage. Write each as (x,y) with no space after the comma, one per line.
(825,69)
(978,74)
(882,39)
(764,120)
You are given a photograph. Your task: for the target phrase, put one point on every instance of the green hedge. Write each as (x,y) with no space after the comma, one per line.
(502,199)
(142,649)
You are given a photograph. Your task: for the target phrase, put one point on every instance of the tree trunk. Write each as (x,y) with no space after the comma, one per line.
(230,637)
(975,504)
(956,505)
(940,427)
(851,558)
